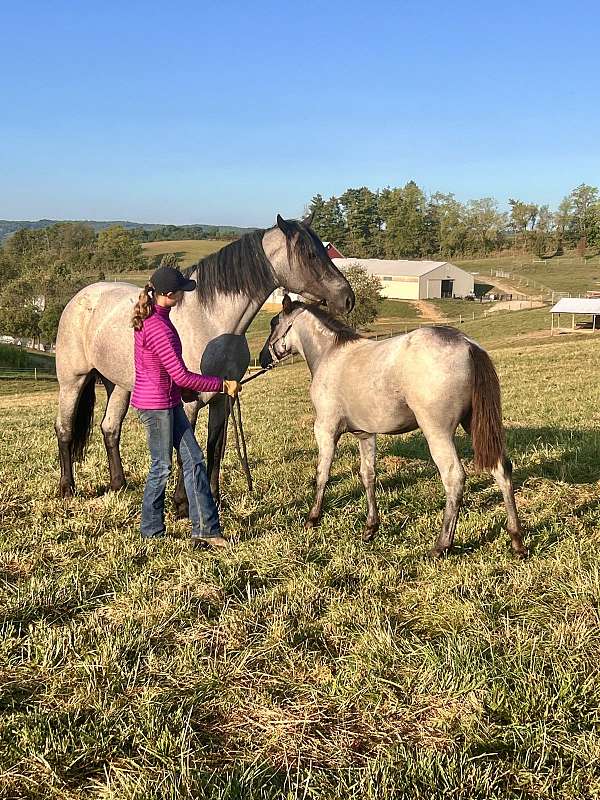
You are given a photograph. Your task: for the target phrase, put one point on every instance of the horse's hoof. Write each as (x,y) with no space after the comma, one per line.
(182,511)
(439,552)
(311,522)
(521,552)
(66,492)
(118,484)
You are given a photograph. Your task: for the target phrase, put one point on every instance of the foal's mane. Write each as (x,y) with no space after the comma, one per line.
(240,267)
(342,333)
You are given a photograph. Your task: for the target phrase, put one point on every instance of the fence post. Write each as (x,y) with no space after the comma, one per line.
(35,373)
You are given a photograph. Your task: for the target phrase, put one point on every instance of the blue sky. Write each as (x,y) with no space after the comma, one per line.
(230,112)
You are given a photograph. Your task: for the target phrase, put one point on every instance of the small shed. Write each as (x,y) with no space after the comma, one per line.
(575,306)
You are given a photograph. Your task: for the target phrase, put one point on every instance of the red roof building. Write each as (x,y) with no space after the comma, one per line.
(332,250)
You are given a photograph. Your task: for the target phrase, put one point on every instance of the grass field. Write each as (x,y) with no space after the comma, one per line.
(190,250)
(306,664)
(568,273)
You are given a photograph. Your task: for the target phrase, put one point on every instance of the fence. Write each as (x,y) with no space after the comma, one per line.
(24,373)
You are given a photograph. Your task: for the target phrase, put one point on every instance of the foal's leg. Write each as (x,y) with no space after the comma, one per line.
(368,445)
(443,451)
(326,442)
(68,397)
(112,422)
(503,476)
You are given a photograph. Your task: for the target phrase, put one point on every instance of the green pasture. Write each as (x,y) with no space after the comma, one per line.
(568,273)
(305,664)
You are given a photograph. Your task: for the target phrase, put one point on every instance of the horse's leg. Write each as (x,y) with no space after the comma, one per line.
(218,412)
(368,446)
(180,500)
(68,398)
(112,422)
(326,442)
(503,476)
(443,451)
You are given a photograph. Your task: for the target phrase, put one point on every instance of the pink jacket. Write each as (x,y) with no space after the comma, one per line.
(159,369)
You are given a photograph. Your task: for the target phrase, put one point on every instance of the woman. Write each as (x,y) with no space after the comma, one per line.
(160,376)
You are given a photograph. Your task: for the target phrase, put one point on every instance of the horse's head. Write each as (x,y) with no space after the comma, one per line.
(301,265)
(280,341)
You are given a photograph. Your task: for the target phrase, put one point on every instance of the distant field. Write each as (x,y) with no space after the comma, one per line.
(568,273)
(190,250)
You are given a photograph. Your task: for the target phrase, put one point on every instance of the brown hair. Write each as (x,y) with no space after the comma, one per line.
(487,430)
(143,308)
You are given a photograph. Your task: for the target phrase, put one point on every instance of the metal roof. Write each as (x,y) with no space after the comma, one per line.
(577,305)
(384,266)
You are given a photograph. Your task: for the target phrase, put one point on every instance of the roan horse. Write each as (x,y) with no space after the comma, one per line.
(95,338)
(432,378)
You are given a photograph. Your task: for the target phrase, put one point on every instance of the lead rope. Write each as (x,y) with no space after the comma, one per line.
(238,427)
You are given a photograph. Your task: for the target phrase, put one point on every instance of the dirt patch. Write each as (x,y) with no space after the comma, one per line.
(515,305)
(427,311)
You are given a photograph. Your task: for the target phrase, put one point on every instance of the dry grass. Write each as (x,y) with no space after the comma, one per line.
(304,664)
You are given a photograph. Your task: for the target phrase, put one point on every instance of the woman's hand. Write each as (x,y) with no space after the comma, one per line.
(232,388)
(189,396)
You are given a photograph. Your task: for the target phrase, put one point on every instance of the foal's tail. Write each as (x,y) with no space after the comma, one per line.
(487,430)
(82,422)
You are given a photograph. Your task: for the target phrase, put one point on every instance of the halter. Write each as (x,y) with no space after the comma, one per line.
(274,355)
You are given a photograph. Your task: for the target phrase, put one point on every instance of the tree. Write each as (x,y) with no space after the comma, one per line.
(367,289)
(328,220)
(522,218)
(49,320)
(361,213)
(583,199)
(117,250)
(403,215)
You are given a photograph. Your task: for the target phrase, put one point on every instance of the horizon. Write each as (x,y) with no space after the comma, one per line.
(147,120)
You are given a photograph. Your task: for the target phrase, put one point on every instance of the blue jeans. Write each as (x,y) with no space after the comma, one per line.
(165,429)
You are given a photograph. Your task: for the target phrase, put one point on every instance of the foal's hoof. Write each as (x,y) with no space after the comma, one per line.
(520,551)
(118,484)
(369,533)
(311,522)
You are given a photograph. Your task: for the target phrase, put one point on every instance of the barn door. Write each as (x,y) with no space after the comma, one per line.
(447,288)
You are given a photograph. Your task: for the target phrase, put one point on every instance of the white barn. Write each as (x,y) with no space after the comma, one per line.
(414,280)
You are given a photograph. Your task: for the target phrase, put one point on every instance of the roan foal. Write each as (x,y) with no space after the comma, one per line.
(433,378)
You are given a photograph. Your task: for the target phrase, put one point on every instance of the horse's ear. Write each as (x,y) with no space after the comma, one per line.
(286,304)
(308,221)
(283,225)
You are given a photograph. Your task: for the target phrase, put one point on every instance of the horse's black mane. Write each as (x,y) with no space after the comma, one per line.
(342,333)
(240,267)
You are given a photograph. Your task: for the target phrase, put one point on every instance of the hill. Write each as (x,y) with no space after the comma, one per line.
(8,227)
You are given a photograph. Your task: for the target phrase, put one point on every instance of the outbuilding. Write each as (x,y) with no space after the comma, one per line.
(415,280)
(575,306)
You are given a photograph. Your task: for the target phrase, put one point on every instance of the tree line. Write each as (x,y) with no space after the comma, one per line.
(404,222)
(41,269)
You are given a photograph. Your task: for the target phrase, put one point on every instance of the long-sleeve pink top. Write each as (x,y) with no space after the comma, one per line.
(160,373)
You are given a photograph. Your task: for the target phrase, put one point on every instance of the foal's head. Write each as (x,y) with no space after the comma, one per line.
(282,340)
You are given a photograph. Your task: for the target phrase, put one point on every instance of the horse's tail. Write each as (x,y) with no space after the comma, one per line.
(487,431)
(82,422)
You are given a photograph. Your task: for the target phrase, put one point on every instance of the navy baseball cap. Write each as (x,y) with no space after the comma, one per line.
(169,279)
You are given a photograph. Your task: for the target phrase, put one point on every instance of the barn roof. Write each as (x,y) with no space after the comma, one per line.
(577,305)
(384,266)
